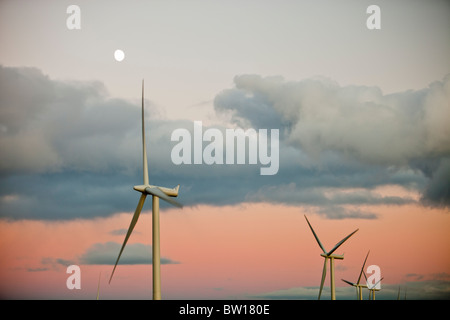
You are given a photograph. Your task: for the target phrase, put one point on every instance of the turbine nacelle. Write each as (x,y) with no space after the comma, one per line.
(355,284)
(334,256)
(171,192)
(165,194)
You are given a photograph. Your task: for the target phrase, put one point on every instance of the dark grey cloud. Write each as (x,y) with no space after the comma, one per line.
(337,212)
(49,263)
(437,192)
(358,124)
(323,196)
(50,126)
(250,109)
(106,254)
(69,150)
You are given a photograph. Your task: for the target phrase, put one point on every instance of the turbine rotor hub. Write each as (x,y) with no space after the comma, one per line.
(334,256)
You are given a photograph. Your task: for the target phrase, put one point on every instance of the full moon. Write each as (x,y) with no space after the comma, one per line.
(119,55)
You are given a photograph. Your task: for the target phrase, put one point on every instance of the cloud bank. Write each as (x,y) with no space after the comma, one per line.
(356,124)
(356,121)
(70,150)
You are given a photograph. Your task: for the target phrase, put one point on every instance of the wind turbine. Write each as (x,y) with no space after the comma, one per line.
(331,256)
(157,193)
(358,285)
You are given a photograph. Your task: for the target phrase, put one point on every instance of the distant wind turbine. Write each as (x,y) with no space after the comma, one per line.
(157,193)
(98,286)
(373,288)
(331,256)
(359,285)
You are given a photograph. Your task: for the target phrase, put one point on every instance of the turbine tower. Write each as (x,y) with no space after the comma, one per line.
(331,256)
(98,286)
(398,295)
(157,193)
(358,285)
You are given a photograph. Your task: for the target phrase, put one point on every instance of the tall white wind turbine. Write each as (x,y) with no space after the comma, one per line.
(358,283)
(157,193)
(329,255)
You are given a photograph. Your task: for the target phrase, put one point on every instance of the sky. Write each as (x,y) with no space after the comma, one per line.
(363,144)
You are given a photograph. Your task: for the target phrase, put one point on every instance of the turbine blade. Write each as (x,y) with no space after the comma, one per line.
(160,194)
(367,283)
(377,283)
(324,273)
(362,269)
(341,242)
(350,283)
(144,151)
(315,236)
(130,229)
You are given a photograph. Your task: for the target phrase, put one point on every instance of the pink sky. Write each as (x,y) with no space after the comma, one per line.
(224,252)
